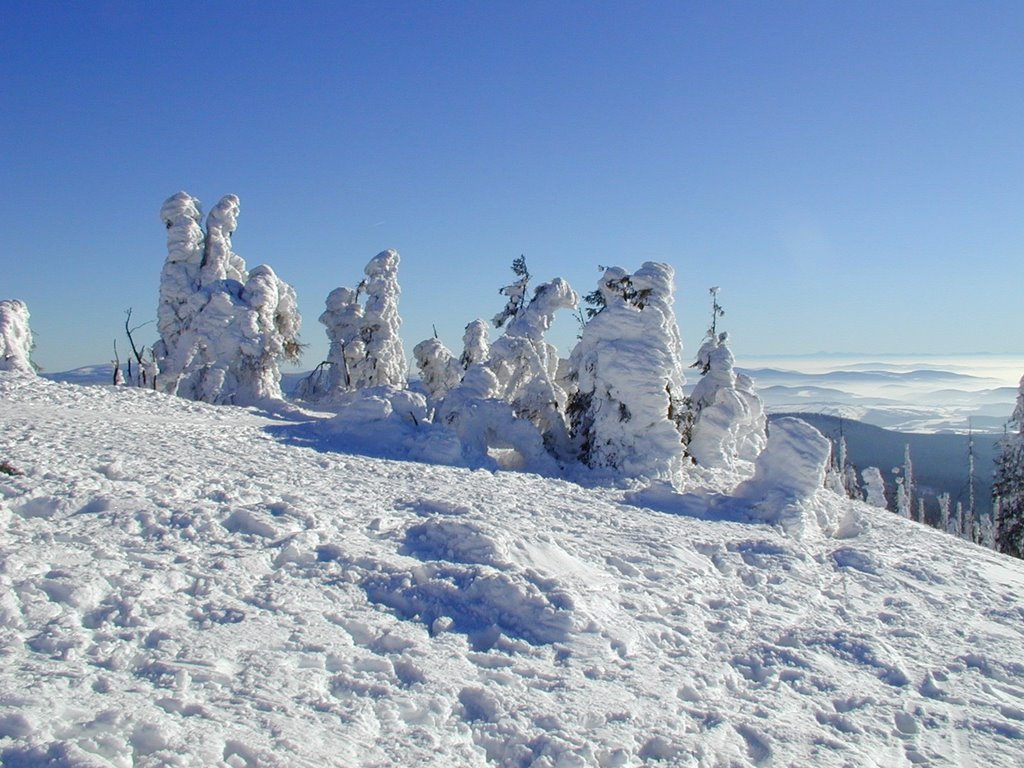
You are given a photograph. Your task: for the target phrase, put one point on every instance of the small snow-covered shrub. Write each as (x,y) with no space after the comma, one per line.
(223,330)
(15,337)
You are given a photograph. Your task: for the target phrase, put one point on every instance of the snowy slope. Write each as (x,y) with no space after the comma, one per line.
(180,587)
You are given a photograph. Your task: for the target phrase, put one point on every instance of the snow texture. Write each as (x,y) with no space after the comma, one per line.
(628,373)
(187,585)
(15,337)
(223,330)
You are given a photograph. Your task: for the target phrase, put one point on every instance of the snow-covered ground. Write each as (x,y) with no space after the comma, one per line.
(183,584)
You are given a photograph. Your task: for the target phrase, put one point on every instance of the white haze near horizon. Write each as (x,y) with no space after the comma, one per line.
(989,370)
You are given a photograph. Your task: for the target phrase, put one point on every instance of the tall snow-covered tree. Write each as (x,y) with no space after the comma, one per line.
(384,363)
(525,366)
(627,406)
(223,330)
(15,337)
(1008,484)
(905,487)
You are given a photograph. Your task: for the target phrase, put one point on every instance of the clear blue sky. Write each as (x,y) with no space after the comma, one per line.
(850,174)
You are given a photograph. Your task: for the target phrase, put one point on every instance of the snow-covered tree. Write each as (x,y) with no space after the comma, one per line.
(223,330)
(15,337)
(515,291)
(905,486)
(627,407)
(1008,484)
(475,345)
(874,487)
(362,325)
(384,361)
(727,416)
(440,372)
(526,366)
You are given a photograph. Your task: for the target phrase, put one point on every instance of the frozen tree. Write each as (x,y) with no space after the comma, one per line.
(905,486)
(787,473)
(223,330)
(343,321)
(15,337)
(488,428)
(945,517)
(516,293)
(439,370)
(874,487)
(384,361)
(475,346)
(727,416)
(525,366)
(362,326)
(627,407)
(1008,484)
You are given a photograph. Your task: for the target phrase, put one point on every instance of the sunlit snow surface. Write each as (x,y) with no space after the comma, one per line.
(180,586)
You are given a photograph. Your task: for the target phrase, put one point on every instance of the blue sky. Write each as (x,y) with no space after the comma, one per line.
(850,174)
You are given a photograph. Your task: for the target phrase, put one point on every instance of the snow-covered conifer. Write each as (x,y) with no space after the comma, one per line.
(384,361)
(223,330)
(1008,484)
(727,416)
(874,487)
(905,486)
(516,293)
(945,503)
(15,337)
(475,345)
(525,366)
(439,370)
(362,326)
(343,321)
(626,410)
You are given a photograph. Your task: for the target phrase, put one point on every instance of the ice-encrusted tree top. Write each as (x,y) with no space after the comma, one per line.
(223,330)
(15,337)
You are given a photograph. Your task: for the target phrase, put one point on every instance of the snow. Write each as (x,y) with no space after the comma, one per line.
(184,584)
